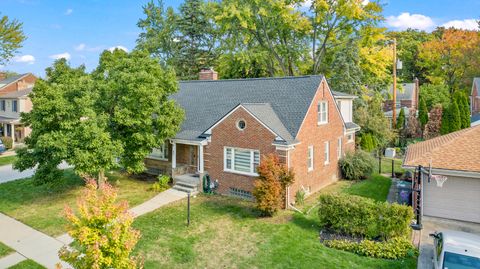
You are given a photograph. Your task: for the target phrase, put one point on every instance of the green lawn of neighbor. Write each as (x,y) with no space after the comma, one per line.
(41,207)
(228,233)
(5,250)
(387,165)
(7,160)
(27,264)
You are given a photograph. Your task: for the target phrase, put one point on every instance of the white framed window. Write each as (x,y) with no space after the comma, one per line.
(339,148)
(3,105)
(350,138)
(310,158)
(322,110)
(160,153)
(327,153)
(241,161)
(14,106)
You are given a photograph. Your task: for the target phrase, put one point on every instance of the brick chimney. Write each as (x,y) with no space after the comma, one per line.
(416,94)
(3,75)
(208,74)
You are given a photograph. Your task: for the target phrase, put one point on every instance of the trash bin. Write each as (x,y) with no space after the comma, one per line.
(404,192)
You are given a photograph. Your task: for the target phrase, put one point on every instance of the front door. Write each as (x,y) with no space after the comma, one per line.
(193,155)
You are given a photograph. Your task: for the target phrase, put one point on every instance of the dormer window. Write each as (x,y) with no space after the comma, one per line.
(322,111)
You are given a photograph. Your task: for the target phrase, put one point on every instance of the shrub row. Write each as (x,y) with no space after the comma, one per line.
(395,248)
(7,141)
(358,165)
(359,216)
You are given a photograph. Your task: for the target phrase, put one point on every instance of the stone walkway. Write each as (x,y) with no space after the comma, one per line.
(43,249)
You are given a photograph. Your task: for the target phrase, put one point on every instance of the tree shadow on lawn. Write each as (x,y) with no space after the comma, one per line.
(233,207)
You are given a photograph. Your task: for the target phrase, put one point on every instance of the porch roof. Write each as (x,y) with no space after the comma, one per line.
(9,120)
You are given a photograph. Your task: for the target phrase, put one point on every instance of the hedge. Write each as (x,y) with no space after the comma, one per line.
(7,141)
(363,217)
(395,248)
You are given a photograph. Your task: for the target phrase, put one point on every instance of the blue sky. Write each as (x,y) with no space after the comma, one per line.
(80,29)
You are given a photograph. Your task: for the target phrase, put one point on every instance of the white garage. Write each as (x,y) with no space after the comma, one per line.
(455,156)
(458,198)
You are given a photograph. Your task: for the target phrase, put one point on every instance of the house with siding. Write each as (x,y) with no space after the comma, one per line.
(14,100)
(475,97)
(230,125)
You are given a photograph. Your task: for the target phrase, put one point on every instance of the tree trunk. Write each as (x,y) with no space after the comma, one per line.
(101,179)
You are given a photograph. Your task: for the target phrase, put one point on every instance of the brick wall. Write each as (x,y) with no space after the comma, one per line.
(25,82)
(254,136)
(312,134)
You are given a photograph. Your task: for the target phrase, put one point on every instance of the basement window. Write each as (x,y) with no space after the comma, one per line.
(241,193)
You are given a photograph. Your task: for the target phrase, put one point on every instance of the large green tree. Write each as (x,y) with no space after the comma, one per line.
(185,40)
(423,112)
(462,100)
(11,38)
(435,95)
(121,110)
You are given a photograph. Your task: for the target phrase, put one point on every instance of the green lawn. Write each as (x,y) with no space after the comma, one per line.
(5,250)
(228,233)
(27,264)
(387,165)
(41,207)
(376,187)
(7,160)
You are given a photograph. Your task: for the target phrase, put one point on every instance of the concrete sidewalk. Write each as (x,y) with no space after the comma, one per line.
(30,243)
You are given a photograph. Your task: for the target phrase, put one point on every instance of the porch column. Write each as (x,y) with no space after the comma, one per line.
(4,129)
(12,133)
(174,155)
(200,162)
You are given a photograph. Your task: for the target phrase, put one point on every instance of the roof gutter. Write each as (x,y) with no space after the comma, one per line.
(203,142)
(446,172)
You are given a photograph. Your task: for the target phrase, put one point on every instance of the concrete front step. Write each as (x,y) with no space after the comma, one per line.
(187,189)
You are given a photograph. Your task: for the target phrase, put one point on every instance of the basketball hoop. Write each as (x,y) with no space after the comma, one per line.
(440,179)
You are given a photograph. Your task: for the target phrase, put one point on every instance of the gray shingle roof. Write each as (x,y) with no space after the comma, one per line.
(11,79)
(17,94)
(351,125)
(404,91)
(280,103)
(206,102)
(266,114)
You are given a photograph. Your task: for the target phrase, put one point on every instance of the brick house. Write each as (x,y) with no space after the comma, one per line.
(14,100)
(475,97)
(231,125)
(407,96)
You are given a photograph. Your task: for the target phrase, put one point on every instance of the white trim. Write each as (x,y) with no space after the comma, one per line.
(174,154)
(232,169)
(447,172)
(352,139)
(200,161)
(209,130)
(310,161)
(339,148)
(189,142)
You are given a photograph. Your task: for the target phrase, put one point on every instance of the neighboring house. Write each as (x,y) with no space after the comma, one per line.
(475,97)
(14,100)
(407,96)
(231,125)
(389,114)
(456,156)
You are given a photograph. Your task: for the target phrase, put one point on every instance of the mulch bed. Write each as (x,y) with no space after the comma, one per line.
(144,177)
(327,234)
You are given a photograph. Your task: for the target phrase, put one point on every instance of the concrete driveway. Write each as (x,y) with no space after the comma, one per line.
(431,225)
(7,173)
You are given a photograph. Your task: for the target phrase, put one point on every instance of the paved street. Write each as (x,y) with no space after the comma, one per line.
(7,173)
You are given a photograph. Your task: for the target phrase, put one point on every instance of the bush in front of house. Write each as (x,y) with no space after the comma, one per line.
(363,217)
(395,248)
(161,184)
(269,188)
(357,165)
(7,142)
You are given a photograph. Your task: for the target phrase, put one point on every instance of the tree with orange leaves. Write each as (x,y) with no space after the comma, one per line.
(270,186)
(101,229)
(451,58)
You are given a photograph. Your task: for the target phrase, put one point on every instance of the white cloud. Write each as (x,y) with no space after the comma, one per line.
(467,24)
(68,12)
(64,55)
(80,47)
(118,47)
(407,20)
(29,59)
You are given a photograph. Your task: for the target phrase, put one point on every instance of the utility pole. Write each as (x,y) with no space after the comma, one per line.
(394,96)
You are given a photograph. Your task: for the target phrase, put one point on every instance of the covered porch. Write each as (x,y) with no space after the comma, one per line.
(187,161)
(13,128)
